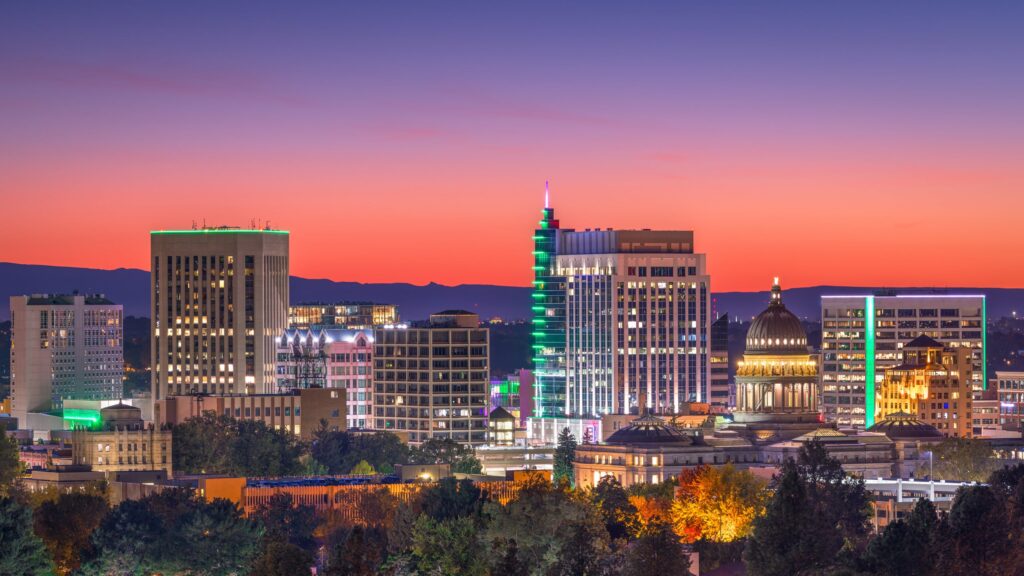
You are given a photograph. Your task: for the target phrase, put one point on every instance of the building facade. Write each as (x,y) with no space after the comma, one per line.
(934,383)
(863,335)
(432,381)
(1010,392)
(330,358)
(219,303)
(299,411)
(720,391)
(64,347)
(638,319)
(548,306)
(343,315)
(122,442)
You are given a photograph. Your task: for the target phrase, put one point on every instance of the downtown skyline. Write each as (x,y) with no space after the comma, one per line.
(406,145)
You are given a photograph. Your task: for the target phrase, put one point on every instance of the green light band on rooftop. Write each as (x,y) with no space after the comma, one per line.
(217,231)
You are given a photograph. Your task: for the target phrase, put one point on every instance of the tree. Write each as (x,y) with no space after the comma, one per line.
(545,523)
(448,546)
(816,511)
(963,460)
(22,553)
(659,552)
(451,498)
(447,451)
(509,564)
(359,554)
(565,454)
(340,451)
(285,521)
(10,463)
(66,525)
(218,444)
(975,539)
(906,547)
(616,509)
(174,532)
(363,467)
(717,504)
(583,549)
(282,559)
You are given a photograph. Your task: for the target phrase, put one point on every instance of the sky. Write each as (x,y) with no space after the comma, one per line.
(843,143)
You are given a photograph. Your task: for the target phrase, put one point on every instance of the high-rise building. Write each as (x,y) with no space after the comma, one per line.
(861,336)
(931,383)
(219,303)
(431,381)
(344,315)
(330,358)
(64,347)
(638,321)
(719,390)
(548,305)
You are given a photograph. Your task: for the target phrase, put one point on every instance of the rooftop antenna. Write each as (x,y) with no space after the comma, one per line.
(546,195)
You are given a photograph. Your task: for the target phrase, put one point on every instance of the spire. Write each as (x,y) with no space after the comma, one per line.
(776,292)
(547,204)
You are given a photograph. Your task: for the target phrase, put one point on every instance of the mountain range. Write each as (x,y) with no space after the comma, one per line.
(130,288)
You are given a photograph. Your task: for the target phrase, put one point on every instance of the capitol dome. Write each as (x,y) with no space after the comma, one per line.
(900,425)
(776,330)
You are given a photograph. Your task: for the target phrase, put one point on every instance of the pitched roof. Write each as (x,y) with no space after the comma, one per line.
(923,341)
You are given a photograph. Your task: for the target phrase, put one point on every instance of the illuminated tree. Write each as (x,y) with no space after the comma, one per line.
(66,523)
(363,468)
(717,504)
(963,460)
(565,454)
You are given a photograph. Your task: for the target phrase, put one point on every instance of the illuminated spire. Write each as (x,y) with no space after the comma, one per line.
(546,195)
(776,291)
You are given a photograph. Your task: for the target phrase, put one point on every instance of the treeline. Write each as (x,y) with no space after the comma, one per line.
(218,444)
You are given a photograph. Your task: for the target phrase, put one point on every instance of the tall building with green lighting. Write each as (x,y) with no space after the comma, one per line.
(862,335)
(548,308)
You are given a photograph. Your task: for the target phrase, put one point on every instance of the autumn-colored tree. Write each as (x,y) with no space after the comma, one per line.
(652,514)
(717,504)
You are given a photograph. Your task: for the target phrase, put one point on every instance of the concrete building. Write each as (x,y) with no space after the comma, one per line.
(298,411)
(862,336)
(64,347)
(431,381)
(330,358)
(932,382)
(342,315)
(122,442)
(219,303)
(1010,393)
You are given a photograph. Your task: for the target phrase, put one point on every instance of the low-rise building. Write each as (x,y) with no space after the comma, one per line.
(299,411)
(1010,391)
(122,442)
(933,382)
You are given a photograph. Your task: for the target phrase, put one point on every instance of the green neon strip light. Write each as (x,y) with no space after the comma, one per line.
(984,343)
(193,232)
(869,361)
(539,321)
(80,415)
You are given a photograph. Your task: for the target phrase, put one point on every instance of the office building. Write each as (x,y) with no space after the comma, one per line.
(720,392)
(932,383)
(638,320)
(122,442)
(514,393)
(1010,392)
(219,303)
(344,315)
(64,347)
(548,306)
(330,358)
(299,411)
(862,336)
(431,381)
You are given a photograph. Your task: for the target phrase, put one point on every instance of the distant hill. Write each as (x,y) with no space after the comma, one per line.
(131,288)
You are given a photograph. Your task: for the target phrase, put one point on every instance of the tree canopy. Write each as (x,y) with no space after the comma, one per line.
(22,553)
(565,454)
(218,444)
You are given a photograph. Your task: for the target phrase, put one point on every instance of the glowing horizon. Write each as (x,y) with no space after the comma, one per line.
(410,143)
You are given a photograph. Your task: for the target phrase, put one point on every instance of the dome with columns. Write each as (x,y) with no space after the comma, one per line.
(776,330)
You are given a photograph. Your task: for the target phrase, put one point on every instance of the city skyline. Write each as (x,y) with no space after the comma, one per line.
(382,138)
